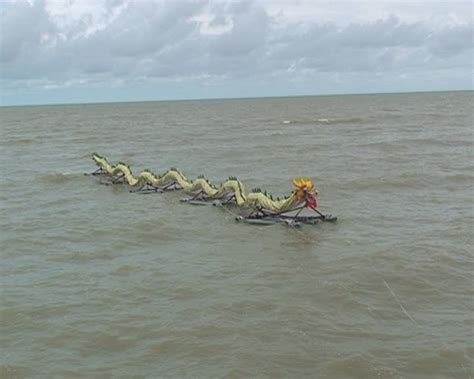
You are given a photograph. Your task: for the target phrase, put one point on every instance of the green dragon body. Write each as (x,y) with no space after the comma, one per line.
(231,188)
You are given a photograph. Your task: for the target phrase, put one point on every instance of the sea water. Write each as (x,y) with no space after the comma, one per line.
(99,282)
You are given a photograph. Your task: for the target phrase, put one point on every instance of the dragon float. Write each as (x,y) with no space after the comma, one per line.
(255,207)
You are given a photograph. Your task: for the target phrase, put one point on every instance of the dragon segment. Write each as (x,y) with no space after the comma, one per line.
(261,204)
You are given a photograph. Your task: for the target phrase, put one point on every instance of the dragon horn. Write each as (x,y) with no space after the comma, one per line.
(303,182)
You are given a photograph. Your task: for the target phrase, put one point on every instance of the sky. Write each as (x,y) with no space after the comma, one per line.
(77,51)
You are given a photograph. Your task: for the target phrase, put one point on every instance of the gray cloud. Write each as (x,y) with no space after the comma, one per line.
(452,41)
(143,28)
(22,26)
(249,32)
(165,40)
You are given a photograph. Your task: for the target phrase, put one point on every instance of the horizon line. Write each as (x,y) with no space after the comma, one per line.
(231,98)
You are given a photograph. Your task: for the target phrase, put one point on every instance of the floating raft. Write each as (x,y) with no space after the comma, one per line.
(256,207)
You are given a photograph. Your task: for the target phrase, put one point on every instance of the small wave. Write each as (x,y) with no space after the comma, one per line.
(12,371)
(431,141)
(350,120)
(459,178)
(19,141)
(389,184)
(57,178)
(276,133)
(24,141)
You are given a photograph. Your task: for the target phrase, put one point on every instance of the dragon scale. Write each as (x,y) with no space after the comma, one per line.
(231,187)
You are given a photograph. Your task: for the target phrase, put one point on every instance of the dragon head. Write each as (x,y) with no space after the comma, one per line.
(305,191)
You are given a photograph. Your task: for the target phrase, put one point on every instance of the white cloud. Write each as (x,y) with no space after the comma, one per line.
(344,12)
(211,24)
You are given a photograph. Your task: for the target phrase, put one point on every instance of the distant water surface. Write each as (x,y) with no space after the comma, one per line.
(99,282)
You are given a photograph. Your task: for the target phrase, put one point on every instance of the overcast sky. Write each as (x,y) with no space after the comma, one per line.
(62,51)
